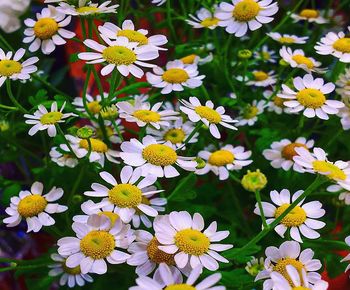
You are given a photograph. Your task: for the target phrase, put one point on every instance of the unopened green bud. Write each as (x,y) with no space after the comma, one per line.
(110,112)
(254,181)
(245,54)
(85,132)
(282,62)
(200,163)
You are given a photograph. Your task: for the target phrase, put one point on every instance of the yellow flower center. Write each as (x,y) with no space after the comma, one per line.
(158,256)
(175,136)
(265,55)
(119,55)
(45,28)
(189,59)
(192,242)
(221,158)
(294,218)
(111,215)
(281,265)
(125,195)
(250,112)
(159,154)
(51,118)
(9,67)
(311,98)
(260,76)
(208,113)
(246,10)
(87,10)
(71,271)
(147,116)
(180,287)
(288,151)
(144,200)
(96,145)
(94,107)
(332,171)
(279,102)
(97,244)
(300,59)
(309,13)
(175,76)
(300,288)
(210,21)
(133,36)
(342,44)
(31,205)
(286,39)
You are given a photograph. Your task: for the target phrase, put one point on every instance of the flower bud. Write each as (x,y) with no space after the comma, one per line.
(85,132)
(254,181)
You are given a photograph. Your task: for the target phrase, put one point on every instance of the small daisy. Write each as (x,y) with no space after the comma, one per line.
(94,243)
(336,44)
(288,39)
(302,218)
(249,115)
(344,114)
(265,55)
(344,195)
(93,104)
(13,68)
(158,2)
(86,7)
(110,131)
(343,84)
(282,153)
(34,207)
(176,76)
(207,114)
(243,14)
(226,159)
(62,158)
(261,79)
(310,15)
(275,103)
(44,120)
(254,266)
(120,53)
(69,276)
(347,258)
(183,236)
(310,97)
(47,31)
(197,60)
(203,19)
(155,158)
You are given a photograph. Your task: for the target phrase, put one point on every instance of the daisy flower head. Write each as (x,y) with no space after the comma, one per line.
(158,2)
(69,276)
(42,119)
(175,77)
(336,44)
(343,85)
(93,104)
(275,103)
(310,97)
(287,39)
(208,115)
(34,207)
(196,59)
(155,158)
(265,54)
(11,67)
(309,15)
(47,31)
(203,19)
(63,158)
(110,131)
(260,79)
(301,220)
(183,235)
(130,196)
(223,160)
(249,114)
(282,152)
(86,7)
(243,14)
(95,242)
(344,195)
(121,54)
(347,258)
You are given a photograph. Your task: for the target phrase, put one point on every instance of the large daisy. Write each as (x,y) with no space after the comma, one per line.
(86,7)
(287,39)
(203,19)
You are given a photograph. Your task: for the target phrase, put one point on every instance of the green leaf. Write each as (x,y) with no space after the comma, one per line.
(132,88)
(242,256)
(183,190)
(39,97)
(237,279)
(9,192)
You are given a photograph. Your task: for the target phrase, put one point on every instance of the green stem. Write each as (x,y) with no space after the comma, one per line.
(8,107)
(262,214)
(65,140)
(117,129)
(205,92)
(169,19)
(13,99)
(188,139)
(6,43)
(49,86)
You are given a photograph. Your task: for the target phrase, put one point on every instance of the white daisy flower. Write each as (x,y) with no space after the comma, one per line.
(197,60)
(310,97)
(207,114)
(158,2)
(249,115)
(344,114)
(94,243)
(176,76)
(275,103)
(309,15)
(121,54)
(86,7)
(11,67)
(223,160)
(265,54)
(203,19)
(127,30)
(336,44)
(289,253)
(44,120)
(347,258)
(62,158)
(93,104)
(260,79)
(302,218)
(298,59)
(47,31)
(243,14)
(34,207)
(110,131)
(69,276)
(282,153)
(343,84)
(129,196)
(254,266)
(287,39)
(155,158)
(344,195)
(183,236)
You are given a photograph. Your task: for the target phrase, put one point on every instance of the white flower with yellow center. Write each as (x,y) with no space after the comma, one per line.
(317,162)
(243,14)
(310,97)
(287,39)
(155,158)
(158,2)
(93,104)
(344,195)
(127,30)
(298,59)
(249,114)
(34,207)
(69,276)
(343,84)
(309,15)
(63,158)
(11,67)
(42,119)
(300,220)
(47,31)
(110,131)
(196,59)
(336,44)
(347,258)
(223,160)
(275,103)
(176,76)
(289,253)
(265,54)
(260,79)
(86,7)
(94,243)
(183,236)
(208,115)
(203,19)
(121,54)
(344,114)
(282,153)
